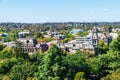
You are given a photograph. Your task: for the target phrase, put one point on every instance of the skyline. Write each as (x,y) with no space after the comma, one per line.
(37,11)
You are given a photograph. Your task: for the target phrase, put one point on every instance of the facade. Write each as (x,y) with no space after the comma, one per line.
(31,45)
(53,34)
(10,44)
(83,39)
(56,35)
(59,37)
(23,34)
(88,43)
(95,40)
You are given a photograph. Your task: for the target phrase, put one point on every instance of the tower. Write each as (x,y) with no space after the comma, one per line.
(95,40)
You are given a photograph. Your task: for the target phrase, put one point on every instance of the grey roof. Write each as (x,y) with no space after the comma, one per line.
(74,31)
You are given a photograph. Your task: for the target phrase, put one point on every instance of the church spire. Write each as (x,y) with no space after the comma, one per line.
(95,40)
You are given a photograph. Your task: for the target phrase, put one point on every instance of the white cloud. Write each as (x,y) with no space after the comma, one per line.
(106,9)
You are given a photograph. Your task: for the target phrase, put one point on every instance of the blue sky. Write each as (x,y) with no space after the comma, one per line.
(37,11)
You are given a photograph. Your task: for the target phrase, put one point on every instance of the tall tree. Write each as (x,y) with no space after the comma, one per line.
(75,63)
(102,47)
(52,68)
(115,45)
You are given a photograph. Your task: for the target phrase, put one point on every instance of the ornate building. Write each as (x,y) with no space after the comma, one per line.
(87,43)
(31,45)
(95,40)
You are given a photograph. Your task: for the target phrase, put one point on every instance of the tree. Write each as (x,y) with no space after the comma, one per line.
(36,58)
(6,53)
(102,47)
(23,71)
(114,76)
(66,40)
(115,45)
(75,63)
(2,46)
(52,68)
(6,66)
(80,76)
(6,39)
(94,66)
(39,35)
(82,34)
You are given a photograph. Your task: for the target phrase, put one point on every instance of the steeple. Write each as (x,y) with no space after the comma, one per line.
(95,40)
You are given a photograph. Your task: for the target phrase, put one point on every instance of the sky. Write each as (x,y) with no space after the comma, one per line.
(40,11)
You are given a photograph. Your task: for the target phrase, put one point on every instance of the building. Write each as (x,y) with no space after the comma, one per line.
(59,37)
(74,31)
(82,40)
(88,43)
(114,35)
(53,34)
(10,44)
(31,45)
(23,34)
(95,40)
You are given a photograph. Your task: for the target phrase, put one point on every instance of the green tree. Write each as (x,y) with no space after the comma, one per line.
(102,47)
(23,71)
(6,66)
(82,34)
(2,46)
(6,53)
(38,35)
(66,40)
(6,39)
(52,68)
(115,45)
(36,58)
(75,63)
(114,76)
(80,76)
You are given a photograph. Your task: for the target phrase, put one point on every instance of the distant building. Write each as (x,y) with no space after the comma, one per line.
(114,35)
(74,31)
(56,35)
(31,45)
(82,40)
(10,44)
(59,36)
(53,34)
(95,40)
(23,34)
(88,43)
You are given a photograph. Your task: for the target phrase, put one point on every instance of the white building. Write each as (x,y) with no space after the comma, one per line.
(23,34)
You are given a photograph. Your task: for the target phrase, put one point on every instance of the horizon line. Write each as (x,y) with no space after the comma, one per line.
(62,22)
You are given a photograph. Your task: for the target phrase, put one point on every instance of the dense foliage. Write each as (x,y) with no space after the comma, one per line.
(56,64)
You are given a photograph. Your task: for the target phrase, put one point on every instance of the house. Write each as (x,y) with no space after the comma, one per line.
(56,35)
(53,34)
(60,36)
